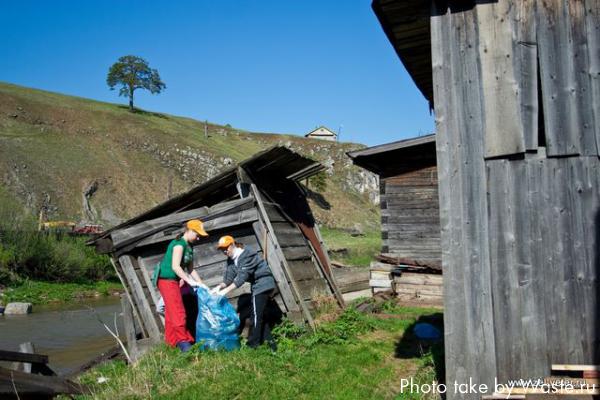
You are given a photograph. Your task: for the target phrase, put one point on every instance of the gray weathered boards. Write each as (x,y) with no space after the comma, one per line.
(410,220)
(516,86)
(262,205)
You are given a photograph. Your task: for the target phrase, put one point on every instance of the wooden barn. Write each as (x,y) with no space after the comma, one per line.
(515,88)
(262,205)
(410,221)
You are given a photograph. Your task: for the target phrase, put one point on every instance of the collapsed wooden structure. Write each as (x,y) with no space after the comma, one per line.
(515,87)
(262,205)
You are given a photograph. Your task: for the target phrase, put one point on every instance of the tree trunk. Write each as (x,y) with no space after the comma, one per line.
(131,100)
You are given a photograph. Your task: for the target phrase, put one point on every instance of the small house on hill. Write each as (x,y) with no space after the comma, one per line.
(322,133)
(410,221)
(261,204)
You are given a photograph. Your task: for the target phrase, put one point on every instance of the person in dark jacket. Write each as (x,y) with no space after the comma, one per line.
(245,265)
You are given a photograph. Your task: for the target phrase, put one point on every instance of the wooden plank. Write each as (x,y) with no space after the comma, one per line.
(22,357)
(564,65)
(147,279)
(279,256)
(525,66)
(592,25)
(498,81)
(129,328)
(381,283)
(34,386)
(321,256)
(575,367)
(420,279)
(296,253)
(419,290)
(468,316)
(146,312)
(503,277)
(274,260)
(303,270)
(176,219)
(128,291)
(225,221)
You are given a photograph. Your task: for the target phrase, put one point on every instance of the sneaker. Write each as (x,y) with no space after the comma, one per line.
(184,346)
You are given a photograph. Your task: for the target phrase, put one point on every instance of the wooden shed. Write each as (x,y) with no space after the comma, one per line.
(515,88)
(262,205)
(410,221)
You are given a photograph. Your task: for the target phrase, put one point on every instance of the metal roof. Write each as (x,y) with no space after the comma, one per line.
(397,157)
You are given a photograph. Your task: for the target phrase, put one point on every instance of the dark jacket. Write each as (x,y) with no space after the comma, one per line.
(250,268)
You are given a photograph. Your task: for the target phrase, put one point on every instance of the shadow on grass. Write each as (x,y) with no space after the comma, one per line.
(409,346)
(318,198)
(143,112)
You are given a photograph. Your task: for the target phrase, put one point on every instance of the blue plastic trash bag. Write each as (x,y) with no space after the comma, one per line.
(427,331)
(217,323)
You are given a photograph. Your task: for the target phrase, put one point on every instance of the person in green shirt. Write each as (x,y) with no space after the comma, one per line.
(175,272)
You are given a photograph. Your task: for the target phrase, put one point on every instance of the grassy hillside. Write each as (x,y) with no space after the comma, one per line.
(54,149)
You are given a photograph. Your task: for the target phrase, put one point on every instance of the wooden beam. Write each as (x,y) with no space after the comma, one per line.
(20,357)
(35,386)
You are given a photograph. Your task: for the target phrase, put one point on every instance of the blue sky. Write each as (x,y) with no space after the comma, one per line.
(267,66)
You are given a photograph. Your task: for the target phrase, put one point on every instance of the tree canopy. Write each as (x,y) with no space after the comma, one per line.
(132,73)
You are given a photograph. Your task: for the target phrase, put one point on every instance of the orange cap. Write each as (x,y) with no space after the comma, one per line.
(197,226)
(225,242)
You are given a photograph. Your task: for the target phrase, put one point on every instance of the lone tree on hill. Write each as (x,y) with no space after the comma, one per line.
(133,73)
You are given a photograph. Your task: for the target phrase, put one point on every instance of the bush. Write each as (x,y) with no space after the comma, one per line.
(28,254)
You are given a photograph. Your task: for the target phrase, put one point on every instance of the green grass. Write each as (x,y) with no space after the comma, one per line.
(361,249)
(37,292)
(54,145)
(352,357)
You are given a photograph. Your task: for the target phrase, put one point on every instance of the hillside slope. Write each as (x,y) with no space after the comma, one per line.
(96,162)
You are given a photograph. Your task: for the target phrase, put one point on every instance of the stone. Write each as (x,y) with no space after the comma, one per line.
(18,308)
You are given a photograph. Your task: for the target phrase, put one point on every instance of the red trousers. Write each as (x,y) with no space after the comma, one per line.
(175,329)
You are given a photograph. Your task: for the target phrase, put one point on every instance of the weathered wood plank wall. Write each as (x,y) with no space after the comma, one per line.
(410,221)
(519,185)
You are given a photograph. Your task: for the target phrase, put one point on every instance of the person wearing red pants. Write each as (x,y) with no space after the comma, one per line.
(175,272)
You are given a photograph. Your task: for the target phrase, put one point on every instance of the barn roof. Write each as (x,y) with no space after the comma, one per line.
(314,132)
(407,26)
(397,157)
(277,162)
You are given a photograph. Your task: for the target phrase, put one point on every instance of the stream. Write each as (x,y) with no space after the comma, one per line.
(69,334)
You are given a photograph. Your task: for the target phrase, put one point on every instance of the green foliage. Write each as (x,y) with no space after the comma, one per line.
(28,254)
(345,359)
(132,73)
(318,182)
(344,329)
(360,250)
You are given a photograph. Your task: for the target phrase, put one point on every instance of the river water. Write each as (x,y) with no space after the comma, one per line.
(70,335)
